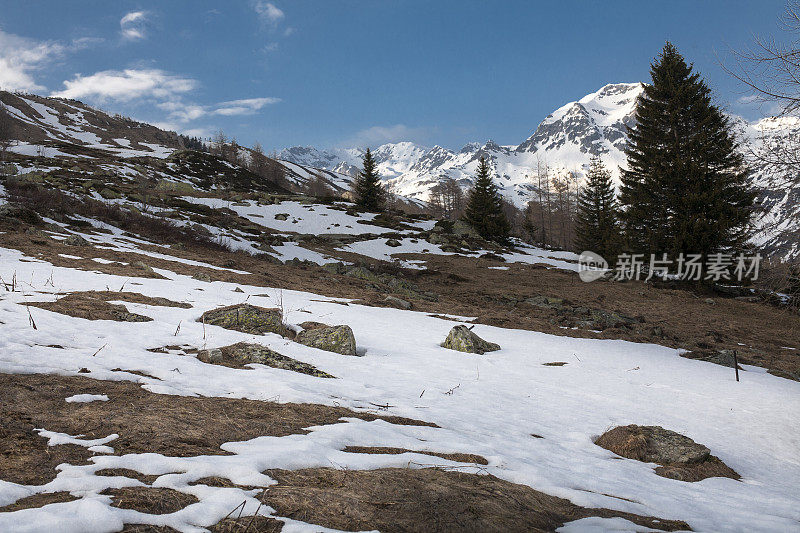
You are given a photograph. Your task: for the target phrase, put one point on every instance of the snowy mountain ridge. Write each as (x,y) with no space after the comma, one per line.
(565,141)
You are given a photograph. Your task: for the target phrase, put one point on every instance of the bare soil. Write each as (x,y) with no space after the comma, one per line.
(94,305)
(38,500)
(151,500)
(458,457)
(177,426)
(426,500)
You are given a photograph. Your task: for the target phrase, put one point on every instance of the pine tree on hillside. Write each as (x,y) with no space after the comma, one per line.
(484,210)
(685,186)
(368,190)
(596,220)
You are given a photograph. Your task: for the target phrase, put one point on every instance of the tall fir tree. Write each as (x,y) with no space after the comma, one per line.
(368,189)
(596,227)
(685,188)
(484,210)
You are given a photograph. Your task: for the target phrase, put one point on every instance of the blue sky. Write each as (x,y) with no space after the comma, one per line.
(362,72)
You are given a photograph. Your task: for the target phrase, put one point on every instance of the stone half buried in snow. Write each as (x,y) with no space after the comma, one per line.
(680,457)
(247,319)
(337,339)
(242,353)
(463,339)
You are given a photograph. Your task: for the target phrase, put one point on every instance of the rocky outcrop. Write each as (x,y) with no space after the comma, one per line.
(583,317)
(394,301)
(337,339)
(242,353)
(680,457)
(381,281)
(76,240)
(247,319)
(462,338)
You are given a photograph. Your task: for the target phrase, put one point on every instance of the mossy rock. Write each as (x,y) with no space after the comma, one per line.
(337,339)
(110,194)
(179,187)
(247,319)
(20,212)
(462,339)
(244,353)
(76,240)
(33,176)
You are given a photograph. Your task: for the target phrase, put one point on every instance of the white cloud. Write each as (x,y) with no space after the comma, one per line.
(132,25)
(378,135)
(268,12)
(21,57)
(247,106)
(126,85)
(180,112)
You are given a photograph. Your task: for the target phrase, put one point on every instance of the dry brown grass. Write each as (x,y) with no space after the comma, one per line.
(178,426)
(94,305)
(151,500)
(426,500)
(38,500)
(86,306)
(458,457)
(126,472)
(247,524)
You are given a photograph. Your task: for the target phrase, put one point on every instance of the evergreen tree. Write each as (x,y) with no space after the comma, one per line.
(685,188)
(368,190)
(596,221)
(484,210)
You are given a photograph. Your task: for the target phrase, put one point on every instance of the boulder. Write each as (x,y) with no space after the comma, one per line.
(76,240)
(545,302)
(394,243)
(243,353)
(110,194)
(337,339)
(20,212)
(653,444)
(36,235)
(281,216)
(247,319)
(141,265)
(214,356)
(679,456)
(394,301)
(202,276)
(462,338)
(465,230)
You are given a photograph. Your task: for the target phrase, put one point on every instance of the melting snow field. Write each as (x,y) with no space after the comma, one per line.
(495,402)
(301,218)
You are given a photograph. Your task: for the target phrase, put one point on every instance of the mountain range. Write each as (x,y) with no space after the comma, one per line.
(564,142)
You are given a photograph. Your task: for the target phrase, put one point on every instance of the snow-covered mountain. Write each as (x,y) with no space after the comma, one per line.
(565,141)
